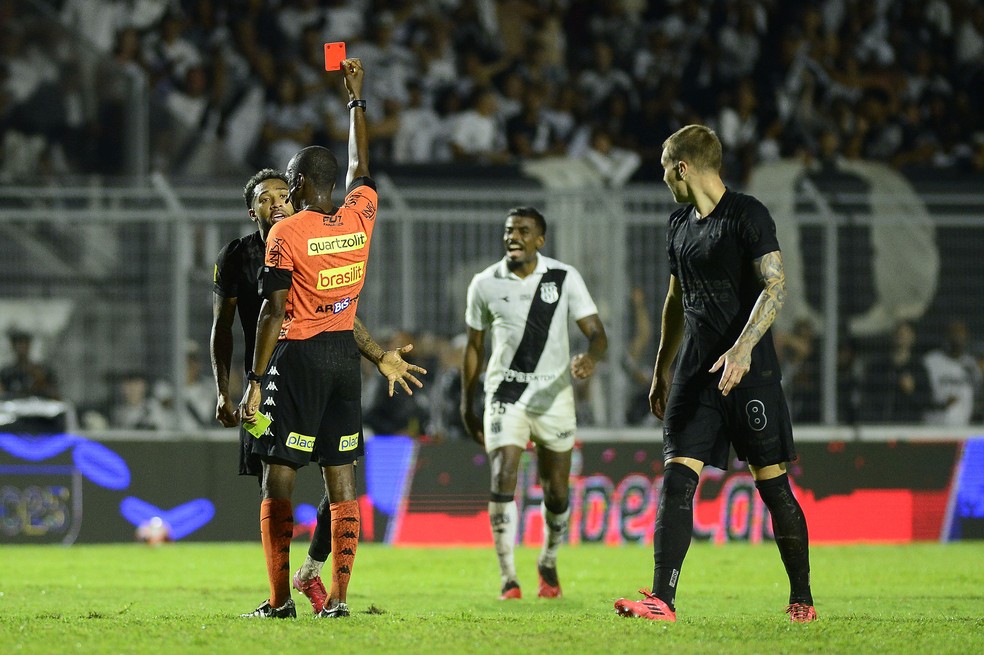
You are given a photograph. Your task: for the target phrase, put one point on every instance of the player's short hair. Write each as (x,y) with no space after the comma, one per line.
(698,145)
(530,212)
(317,164)
(261,176)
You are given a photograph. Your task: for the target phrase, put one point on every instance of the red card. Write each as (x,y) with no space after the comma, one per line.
(334,55)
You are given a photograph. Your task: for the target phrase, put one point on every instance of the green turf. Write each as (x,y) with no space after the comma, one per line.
(184,598)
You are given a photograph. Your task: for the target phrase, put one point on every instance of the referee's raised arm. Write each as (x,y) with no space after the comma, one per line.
(358,146)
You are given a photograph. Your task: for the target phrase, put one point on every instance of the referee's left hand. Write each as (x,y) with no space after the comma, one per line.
(397,370)
(736,362)
(250,403)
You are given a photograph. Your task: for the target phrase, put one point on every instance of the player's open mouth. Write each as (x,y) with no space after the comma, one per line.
(514,249)
(277,216)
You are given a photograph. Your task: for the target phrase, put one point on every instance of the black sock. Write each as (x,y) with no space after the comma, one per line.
(320,546)
(789,526)
(674,529)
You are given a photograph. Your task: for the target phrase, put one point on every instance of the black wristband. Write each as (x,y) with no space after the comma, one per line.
(361,104)
(253,377)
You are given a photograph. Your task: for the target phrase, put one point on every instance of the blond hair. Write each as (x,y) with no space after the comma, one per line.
(697,145)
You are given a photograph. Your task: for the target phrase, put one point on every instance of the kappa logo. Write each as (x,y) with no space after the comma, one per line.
(368,212)
(340,243)
(343,276)
(348,442)
(549,292)
(269,402)
(273,371)
(276,252)
(300,442)
(271,386)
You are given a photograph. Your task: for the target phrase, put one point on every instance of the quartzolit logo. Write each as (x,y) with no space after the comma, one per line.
(341,243)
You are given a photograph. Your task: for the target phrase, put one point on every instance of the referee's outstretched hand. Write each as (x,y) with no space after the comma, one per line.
(395,369)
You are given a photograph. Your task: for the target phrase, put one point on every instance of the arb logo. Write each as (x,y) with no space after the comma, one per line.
(348,442)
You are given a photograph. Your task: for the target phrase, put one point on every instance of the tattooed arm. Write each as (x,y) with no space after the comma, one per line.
(738,359)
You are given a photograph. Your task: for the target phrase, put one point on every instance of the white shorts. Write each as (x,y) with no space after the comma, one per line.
(510,425)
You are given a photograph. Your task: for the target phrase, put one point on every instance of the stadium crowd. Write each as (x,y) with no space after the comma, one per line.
(237,84)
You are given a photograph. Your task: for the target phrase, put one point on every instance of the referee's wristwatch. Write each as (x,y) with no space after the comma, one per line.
(254,377)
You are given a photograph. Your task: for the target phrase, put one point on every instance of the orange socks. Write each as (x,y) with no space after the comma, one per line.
(276,530)
(345,527)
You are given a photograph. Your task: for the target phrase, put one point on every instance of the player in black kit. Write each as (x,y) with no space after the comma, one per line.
(726,287)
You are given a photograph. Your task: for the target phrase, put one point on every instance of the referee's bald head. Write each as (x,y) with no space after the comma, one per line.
(318,166)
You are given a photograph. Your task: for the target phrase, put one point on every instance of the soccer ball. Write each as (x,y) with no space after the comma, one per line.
(154,531)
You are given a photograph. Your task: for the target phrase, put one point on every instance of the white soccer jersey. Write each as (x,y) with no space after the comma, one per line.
(530,360)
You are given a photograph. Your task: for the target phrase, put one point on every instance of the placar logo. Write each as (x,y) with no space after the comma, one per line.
(348,442)
(300,442)
(343,276)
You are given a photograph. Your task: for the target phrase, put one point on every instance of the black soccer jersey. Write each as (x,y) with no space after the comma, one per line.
(712,257)
(236,270)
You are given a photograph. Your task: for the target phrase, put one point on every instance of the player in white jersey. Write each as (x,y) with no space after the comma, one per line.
(526,300)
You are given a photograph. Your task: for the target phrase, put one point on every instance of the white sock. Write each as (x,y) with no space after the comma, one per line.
(554,534)
(504,517)
(310,569)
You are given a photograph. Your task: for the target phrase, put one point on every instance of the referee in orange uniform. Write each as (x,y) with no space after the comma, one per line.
(306,375)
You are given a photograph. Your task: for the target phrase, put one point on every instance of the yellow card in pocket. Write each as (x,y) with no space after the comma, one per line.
(258,427)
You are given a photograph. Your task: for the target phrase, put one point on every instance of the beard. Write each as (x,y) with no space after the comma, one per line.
(513,264)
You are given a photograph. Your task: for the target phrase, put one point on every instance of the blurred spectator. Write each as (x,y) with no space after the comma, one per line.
(194,404)
(638,364)
(445,408)
(25,376)
(402,414)
(850,374)
(602,79)
(954,379)
(615,165)
(478,136)
(896,384)
(133,407)
(290,123)
(529,133)
(799,356)
(419,128)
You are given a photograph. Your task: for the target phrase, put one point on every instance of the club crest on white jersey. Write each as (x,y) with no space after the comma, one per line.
(549,292)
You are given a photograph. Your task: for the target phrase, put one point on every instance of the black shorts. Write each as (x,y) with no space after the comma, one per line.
(703,424)
(249,462)
(312,392)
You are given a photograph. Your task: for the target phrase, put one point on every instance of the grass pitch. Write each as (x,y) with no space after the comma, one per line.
(185,598)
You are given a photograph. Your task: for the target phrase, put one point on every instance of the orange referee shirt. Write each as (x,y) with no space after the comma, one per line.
(321,260)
